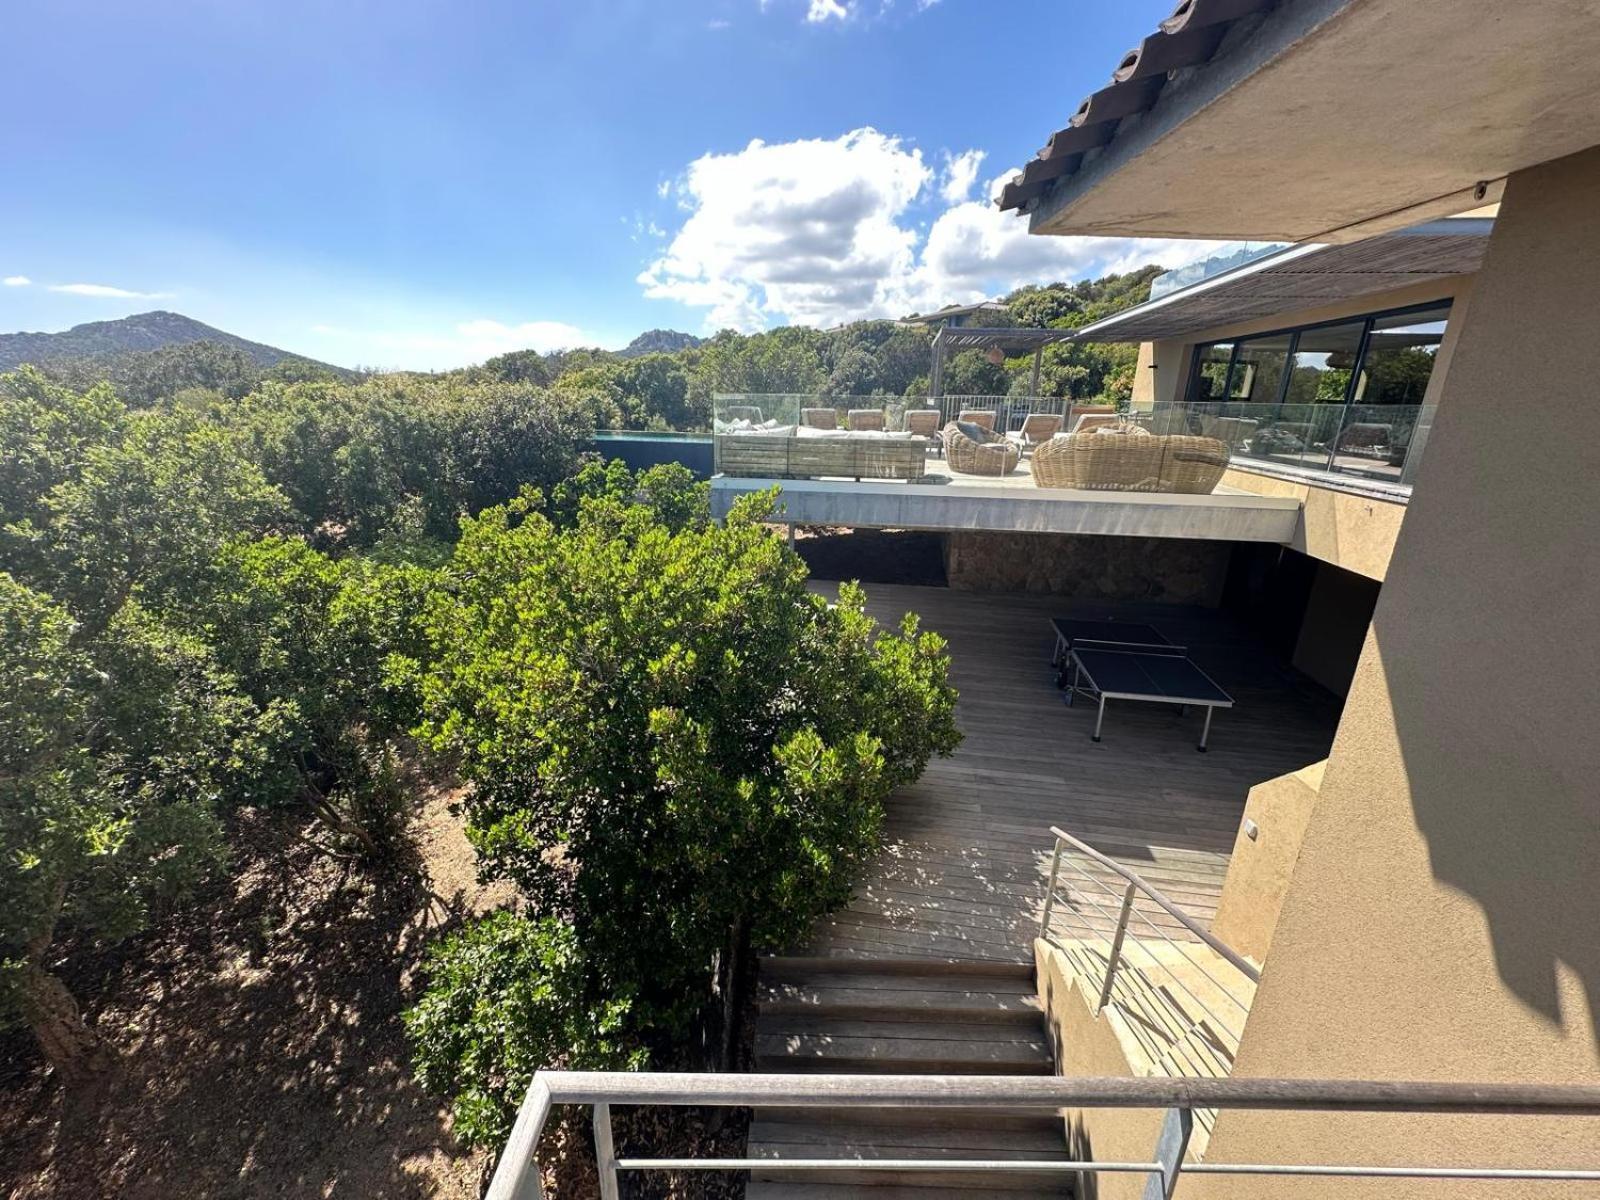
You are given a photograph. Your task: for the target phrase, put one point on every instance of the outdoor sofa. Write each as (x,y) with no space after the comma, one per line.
(1131,459)
(784,452)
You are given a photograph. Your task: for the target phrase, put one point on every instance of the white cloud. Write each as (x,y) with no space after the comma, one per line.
(16,281)
(803,229)
(104,291)
(960,173)
(716,24)
(819,232)
(469,342)
(826,10)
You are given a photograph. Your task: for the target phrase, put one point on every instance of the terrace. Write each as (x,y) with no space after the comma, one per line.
(967,861)
(880,465)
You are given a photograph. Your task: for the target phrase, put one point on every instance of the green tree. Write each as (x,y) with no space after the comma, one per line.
(671,740)
(114,750)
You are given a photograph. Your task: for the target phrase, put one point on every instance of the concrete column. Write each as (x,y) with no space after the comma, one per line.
(1443,921)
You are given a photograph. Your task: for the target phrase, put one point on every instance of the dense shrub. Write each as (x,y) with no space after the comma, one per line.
(508,995)
(673,743)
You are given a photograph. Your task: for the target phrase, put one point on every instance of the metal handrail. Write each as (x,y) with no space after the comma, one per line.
(1245,966)
(516,1175)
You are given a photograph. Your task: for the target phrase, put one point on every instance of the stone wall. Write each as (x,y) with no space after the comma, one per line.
(1089,567)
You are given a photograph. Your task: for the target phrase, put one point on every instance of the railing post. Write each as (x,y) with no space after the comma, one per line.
(1116,944)
(1050,892)
(1172,1143)
(605,1156)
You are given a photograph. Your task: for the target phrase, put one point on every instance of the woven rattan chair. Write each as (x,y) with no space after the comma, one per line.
(924,422)
(1131,462)
(967,457)
(865,418)
(1089,422)
(1040,427)
(978,416)
(819,418)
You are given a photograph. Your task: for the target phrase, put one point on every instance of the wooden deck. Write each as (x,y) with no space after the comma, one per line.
(968,846)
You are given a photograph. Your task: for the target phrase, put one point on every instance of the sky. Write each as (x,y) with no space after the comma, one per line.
(426,183)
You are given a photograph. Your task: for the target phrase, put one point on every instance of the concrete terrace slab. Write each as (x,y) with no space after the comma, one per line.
(1012,504)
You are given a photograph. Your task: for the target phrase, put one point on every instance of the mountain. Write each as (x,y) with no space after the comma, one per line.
(659,341)
(141,332)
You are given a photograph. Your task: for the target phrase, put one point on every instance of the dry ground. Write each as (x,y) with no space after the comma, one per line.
(261,1051)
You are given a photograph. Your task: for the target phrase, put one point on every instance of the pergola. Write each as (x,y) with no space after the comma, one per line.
(954,339)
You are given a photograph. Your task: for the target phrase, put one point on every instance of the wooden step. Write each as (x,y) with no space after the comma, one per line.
(978,999)
(1030,1120)
(767,1189)
(806,966)
(808,1043)
(776,1141)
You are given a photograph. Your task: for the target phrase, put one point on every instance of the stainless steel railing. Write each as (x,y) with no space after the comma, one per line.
(1183,993)
(516,1175)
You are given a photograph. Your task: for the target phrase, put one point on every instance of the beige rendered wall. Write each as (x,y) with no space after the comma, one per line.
(1162,371)
(1442,920)
(1348,529)
(1261,867)
(1087,1047)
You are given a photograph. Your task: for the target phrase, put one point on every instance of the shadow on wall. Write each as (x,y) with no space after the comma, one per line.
(1503,763)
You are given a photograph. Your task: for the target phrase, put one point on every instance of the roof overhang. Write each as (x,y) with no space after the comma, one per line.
(954,338)
(1304,277)
(1333,120)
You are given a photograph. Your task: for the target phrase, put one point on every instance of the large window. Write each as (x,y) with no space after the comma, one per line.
(1342,396)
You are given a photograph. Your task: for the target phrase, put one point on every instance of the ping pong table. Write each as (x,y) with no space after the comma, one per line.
(1108,662)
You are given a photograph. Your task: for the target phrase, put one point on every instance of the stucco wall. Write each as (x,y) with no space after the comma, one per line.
(1442,919)
(1348,529)
(1260,870)
(1170,570)
(1087,1047)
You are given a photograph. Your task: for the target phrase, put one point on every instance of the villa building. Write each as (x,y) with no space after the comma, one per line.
(1433,880)
(1358,492)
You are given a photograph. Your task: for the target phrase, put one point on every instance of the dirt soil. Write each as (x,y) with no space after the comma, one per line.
(259,1039)
(260,1050)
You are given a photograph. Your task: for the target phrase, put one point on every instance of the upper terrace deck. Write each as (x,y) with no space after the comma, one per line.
(968,846)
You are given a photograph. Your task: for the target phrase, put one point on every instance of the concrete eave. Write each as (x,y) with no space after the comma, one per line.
(1231,516)
(1333,120)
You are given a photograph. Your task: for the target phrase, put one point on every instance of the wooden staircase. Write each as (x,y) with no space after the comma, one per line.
(901,1016)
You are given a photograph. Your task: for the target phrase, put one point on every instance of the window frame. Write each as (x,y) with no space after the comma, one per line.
(1293,332)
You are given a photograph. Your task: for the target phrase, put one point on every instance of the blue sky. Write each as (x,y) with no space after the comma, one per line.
(421,183)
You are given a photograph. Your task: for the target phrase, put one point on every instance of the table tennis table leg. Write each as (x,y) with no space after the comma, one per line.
(1206,732)
(1100,718)
(1072,685)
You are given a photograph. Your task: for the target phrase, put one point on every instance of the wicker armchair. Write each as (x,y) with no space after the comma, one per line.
(924,422)
(978,416)
(865,418)
(1040,427)
(819,418)
(968,457)
(1131,462)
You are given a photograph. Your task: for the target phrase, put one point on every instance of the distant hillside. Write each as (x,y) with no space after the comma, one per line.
(141,332)
(659,341)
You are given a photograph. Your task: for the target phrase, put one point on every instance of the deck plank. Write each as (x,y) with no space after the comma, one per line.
(967,852)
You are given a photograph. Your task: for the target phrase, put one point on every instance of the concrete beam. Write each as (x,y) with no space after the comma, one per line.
(1229,517)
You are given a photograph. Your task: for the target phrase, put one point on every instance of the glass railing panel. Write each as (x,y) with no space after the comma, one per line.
(1229,257)
(1379,442)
